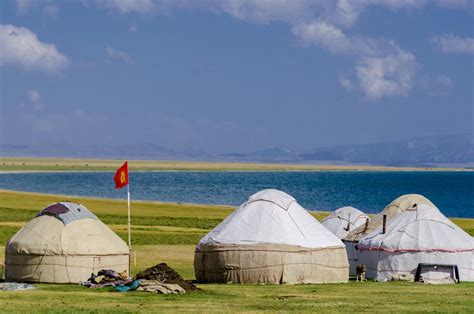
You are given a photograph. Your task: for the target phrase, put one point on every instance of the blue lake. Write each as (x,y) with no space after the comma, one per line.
(452,192)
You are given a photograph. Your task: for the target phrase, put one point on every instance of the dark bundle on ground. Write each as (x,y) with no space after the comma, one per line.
(165,274)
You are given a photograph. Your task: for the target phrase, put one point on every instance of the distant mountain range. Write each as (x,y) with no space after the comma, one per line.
(445,150)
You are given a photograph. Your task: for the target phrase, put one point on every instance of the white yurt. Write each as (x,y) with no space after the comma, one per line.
(419,235)
(343,220)
(270,239)
(398,205)
(64,243)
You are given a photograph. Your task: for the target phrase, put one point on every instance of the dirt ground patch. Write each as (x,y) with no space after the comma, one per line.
(165,274)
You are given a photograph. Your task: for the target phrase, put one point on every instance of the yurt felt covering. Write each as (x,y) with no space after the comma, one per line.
(343,220)
(65,243)
(270,239)
(395,207)
(421,235)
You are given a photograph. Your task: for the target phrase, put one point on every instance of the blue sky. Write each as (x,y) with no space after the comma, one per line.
(237,75)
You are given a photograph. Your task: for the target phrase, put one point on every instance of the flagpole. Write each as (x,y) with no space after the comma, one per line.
(129,230)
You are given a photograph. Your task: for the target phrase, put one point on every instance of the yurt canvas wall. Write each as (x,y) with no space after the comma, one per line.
(65,243)
(419,235)
(270,239)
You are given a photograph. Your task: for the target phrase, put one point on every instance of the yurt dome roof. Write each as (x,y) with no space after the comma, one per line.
(67,212)
(276,197)
(404,202)
(347,213)
(343,220)
(422,228)
(274,217)
(66,228)
(398,205)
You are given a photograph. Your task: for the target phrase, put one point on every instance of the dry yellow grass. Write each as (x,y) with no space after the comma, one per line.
(71,164)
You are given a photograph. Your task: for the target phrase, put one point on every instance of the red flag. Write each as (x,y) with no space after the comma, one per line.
(121,176)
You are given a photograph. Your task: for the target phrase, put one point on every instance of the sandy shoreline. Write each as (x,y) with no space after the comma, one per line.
(225,170)
(40,165)
(50,171)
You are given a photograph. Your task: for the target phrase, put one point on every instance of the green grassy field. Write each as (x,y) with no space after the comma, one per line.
(71,164)
(167,232)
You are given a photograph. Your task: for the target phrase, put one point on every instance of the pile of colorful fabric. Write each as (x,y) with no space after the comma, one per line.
(163,279)
(111,278)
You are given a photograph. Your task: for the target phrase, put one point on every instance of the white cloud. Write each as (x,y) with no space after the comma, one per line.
(346,12)
(387,76)
(341,12)
(260,11)
(382,68)
(21,47)
(127,6)
(451,43)
(326,35)
(323,34)
(323,23)
(51,11)
(119,55)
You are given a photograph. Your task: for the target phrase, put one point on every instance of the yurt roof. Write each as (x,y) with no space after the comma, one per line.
(273,217)
(421,228)
(66,228)
(67,212)
(348,214)
(339,220)
(276,197)
(398,205)
(402,203)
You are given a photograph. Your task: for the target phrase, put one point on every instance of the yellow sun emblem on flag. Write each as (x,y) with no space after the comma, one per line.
(122,177)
